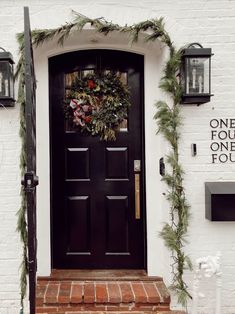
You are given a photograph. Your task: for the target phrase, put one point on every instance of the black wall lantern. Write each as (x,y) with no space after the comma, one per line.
(6,79)
(196,74)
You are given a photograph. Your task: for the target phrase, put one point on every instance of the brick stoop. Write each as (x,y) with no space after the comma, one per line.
(123,295)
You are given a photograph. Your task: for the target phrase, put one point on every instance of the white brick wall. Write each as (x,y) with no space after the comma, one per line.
(10,251)
(212,23)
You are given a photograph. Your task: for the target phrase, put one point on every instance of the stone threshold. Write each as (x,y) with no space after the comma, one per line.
(100,274)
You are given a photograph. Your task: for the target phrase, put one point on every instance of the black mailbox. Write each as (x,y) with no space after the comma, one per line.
(220,201)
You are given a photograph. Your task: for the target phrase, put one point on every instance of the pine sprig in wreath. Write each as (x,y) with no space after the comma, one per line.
(97,104)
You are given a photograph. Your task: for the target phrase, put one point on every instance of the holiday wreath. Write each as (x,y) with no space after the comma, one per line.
(97,104)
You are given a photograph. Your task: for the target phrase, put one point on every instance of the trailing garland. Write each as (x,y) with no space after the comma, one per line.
(168,121)
(21,221)
(97,104)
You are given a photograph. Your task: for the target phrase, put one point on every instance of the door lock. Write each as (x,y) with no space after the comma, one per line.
(137,165)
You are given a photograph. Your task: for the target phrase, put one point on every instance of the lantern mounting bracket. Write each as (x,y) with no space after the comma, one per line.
(192,45)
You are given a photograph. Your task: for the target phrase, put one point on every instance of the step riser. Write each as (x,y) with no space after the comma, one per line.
(111,312)
(97,307)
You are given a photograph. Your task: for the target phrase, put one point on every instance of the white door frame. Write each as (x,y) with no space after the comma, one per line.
(154,54)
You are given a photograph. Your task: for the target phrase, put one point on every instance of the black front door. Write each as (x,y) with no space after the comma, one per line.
(97,222)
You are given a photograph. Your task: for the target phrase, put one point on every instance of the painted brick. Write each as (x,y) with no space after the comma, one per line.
(211,23)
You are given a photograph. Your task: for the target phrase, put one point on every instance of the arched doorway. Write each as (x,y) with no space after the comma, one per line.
(93,183)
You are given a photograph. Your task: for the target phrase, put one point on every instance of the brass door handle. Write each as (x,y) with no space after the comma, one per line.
(137,196)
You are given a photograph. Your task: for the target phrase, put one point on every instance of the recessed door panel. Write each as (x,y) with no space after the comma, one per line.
(116,163)
(117,225)
(78,163)
(79,225)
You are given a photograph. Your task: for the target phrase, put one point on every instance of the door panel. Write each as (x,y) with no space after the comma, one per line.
(117,156)
(117,224)
(79,221)
(92,181)
(72,156)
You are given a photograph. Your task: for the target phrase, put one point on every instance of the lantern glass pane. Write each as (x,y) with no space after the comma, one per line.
(4,79)
(197,75)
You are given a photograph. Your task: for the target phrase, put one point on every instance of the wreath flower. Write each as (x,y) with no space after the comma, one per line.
(97,104)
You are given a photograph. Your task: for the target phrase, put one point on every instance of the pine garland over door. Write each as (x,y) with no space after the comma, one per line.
(168,120)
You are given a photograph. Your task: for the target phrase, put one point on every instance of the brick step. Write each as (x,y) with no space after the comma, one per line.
(71,297)
(119,312)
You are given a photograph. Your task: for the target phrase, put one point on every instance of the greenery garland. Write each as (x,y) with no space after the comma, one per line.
(97,104)
(21,221)
(168,121)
